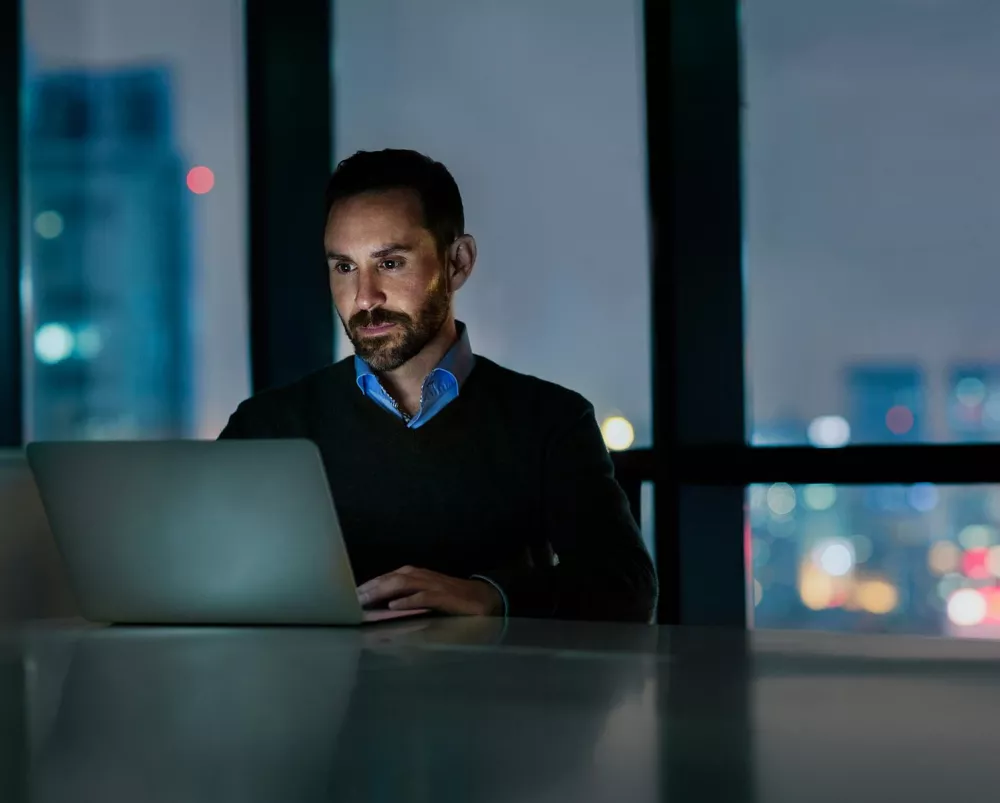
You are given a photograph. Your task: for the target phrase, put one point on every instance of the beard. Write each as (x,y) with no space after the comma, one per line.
(389,351)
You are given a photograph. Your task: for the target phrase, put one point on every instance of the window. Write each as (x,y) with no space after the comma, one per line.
(870,131)
(134,274)
(885,559)
(542,124)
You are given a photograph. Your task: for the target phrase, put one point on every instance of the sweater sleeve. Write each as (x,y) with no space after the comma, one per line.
(602,570)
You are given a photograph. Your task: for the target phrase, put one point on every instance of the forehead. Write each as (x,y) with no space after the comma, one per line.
(376,217)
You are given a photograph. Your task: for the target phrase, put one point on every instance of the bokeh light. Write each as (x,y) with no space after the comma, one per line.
(877,596)
(758,593)
(89,342)
(949,584)
(977,536)
(200,180)
(49,225)
(993,561)
(829,432)
(618,433)
(781,499)
(899,419)
(944,557)
(992,597)
(819,497)
(53,343)
(835,557)
(816,588)
(970,391)
(923,497)
(974,564)
(967,607)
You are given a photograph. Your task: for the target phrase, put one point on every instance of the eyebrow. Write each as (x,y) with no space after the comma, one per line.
(384,251)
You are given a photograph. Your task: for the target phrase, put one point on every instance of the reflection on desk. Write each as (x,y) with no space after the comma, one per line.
(478,710)
(419,710)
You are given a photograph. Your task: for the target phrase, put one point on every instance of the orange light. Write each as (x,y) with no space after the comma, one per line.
(200,180)
(878,596)
(992,596)
(816,588)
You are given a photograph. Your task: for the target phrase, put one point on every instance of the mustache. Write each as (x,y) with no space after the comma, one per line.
(377,317)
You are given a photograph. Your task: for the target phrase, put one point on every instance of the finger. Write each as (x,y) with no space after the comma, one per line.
(421,599)
(439,601)
(390,587)
(364,588)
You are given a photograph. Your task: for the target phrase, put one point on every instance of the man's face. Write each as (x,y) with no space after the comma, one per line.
(387,276)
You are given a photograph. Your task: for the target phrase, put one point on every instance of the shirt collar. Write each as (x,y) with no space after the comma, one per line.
(457,363)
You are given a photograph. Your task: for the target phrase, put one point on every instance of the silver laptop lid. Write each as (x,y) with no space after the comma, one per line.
(223,532)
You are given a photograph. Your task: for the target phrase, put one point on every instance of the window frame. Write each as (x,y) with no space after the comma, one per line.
(700,461)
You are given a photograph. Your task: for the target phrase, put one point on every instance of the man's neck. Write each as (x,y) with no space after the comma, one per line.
(405,383)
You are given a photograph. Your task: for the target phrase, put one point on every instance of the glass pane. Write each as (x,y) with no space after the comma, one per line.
(870,133)
(542,124)
(919,559)
(134,281)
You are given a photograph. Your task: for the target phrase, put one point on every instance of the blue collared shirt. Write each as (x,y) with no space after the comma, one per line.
(441,386)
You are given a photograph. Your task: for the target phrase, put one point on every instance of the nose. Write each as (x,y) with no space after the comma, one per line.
(369,295)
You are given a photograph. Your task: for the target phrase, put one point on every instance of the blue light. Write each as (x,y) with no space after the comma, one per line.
(923,497)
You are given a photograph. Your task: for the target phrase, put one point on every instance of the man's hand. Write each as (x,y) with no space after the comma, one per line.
(408,588)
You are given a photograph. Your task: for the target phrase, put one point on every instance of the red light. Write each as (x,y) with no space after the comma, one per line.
(899,419)
(974,564)
(200,180)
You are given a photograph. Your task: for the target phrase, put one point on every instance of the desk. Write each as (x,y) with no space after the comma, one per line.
(475,710)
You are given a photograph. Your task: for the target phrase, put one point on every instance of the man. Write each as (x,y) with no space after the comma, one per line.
(461,486)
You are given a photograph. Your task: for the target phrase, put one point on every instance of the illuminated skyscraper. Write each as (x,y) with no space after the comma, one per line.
(108,264)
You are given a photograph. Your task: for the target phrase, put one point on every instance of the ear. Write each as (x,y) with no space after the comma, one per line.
(460,260)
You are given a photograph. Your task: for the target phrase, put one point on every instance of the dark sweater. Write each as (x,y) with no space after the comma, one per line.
(511,472)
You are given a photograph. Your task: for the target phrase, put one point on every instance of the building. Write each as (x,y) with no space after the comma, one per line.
(108,261)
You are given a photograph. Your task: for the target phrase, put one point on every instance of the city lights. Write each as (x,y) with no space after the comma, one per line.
(993,561)
(899,419)
(816,589)
(819,497)
(618,433)
(949,584)
(829,432)
(967,607)
(200,180)
(877,596)
(49,225)
(89,342)
(781,499)
(977,536)
(835,557)
(974,564)
(970,391)
(944,558)
(923,497)
(53,343)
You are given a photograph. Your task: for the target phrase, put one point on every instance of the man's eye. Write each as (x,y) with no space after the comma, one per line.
(343,267)
(390,264)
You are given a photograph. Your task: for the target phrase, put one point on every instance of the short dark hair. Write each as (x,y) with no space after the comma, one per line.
(392,169)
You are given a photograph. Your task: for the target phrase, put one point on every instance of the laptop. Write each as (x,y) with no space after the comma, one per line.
(199,532)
